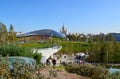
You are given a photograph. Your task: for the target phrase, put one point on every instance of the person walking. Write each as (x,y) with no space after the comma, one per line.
(54,63)
(48,62)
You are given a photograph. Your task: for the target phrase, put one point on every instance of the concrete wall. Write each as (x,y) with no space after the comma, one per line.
(47,52)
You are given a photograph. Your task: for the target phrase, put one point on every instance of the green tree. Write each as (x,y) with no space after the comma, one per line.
(96,38)
(90,38)
(12,35)
(95,50)
(108,52)
(102,37)
(84,38)
(109,37)
(3,34)
(116,52)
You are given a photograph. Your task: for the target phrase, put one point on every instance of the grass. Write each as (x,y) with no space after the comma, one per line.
(35,45)
(74,47)
(67,47)
(60,67)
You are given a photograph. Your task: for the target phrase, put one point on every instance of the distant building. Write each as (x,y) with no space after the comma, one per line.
(39,35)
(19,33)
(116,36)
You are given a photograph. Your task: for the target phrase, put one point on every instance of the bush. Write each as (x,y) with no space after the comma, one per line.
(94,72)
(19,71)
(22,71)
(14,50)
(37,57)
(114,76)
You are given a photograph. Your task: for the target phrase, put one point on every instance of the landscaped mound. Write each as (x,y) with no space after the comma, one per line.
(94,72)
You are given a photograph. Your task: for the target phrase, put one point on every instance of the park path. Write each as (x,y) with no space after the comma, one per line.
(61,74)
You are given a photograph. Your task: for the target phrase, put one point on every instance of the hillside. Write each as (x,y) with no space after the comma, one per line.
(74,47)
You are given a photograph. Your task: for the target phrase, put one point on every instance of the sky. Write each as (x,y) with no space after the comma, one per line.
(78,16)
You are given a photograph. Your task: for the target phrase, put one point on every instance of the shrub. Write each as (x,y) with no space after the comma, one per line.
(37,57)
(14,50)
(95,72)
(114,76)
(19,71)
(22,71)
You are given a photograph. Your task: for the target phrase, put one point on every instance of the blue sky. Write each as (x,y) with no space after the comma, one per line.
(81,16)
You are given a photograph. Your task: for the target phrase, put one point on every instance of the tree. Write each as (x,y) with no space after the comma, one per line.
(116,52)
(84,38)
(90,38)
(102,37)
(94,51)
(12,35)
(96,38)
(3,34)
(108,52)
(109,37)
